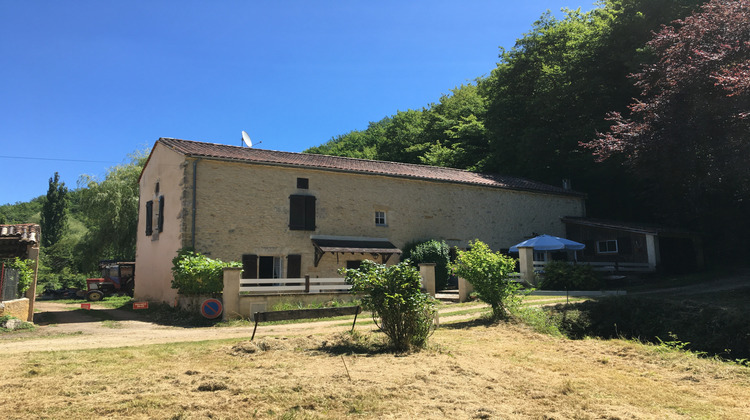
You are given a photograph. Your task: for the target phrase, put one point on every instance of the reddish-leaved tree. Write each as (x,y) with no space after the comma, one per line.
(688,134)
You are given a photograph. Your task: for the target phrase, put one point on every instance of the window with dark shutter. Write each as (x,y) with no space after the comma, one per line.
(149,218)
(249,266)
(160,220)
(294,266)
(301,212)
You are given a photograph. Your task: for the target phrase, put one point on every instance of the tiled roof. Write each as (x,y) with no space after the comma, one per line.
(628,226)
(363,166)
(24,233)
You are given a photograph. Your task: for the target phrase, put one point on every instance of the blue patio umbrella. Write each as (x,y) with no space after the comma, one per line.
(549,243)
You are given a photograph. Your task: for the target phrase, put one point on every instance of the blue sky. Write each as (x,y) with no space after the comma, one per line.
(83,84)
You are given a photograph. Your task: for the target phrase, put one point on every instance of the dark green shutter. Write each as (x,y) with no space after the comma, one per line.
(309,213)
(249,266)
(160,222)
(294,266)
(149,218)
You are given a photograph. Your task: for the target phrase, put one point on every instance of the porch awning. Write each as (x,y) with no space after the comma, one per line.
(375,247)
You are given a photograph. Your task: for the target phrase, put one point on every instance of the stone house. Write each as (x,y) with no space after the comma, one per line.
(287,215)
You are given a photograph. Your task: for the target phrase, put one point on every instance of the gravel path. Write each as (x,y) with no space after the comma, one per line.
(64,328)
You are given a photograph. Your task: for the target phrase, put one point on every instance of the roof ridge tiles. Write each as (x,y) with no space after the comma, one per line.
(358,165)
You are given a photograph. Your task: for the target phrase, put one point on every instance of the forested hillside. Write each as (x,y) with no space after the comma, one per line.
(80,227)
(540,113)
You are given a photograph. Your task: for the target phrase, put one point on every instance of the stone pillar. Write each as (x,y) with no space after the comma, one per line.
(526,264)
(32,254)
(427,271)
(231,293)
(464,290)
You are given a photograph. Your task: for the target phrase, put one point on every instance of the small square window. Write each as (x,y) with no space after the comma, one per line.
(606,247)
(380,219)
(303,183)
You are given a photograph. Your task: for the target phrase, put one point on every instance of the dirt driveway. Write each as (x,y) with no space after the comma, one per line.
(64,328)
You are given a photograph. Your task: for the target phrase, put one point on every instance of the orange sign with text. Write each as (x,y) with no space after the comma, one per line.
(140,305)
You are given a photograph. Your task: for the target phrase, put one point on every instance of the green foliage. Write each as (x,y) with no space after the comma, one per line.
(488,272)
(24,325)
(54,211)
(111,213)
(196,274)
(702,327)
(393,294)
(432,251)
(536,318)
(21,212)
(25,272)
(560,275)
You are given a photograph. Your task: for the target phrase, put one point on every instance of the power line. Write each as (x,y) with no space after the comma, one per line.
(56,159)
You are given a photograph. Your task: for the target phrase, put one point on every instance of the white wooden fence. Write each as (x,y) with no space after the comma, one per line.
(303,285)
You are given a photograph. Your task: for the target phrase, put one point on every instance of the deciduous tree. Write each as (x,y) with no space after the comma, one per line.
(688,133)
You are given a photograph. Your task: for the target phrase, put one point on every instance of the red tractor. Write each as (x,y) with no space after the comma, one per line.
(117,278)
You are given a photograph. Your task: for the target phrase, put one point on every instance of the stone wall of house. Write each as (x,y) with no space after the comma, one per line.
(244,209)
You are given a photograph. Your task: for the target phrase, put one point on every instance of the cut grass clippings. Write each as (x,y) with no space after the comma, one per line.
(486,371)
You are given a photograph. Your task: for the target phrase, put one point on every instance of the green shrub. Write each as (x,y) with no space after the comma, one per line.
(488,272)
(25,269)
(196,274)
(703,327)
(560,275)
(393,294)
(432,251)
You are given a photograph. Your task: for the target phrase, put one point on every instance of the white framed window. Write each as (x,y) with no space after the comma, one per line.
(540,256)
(380,219)
(606,247)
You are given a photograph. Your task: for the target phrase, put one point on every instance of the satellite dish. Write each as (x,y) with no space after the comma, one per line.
(246,139)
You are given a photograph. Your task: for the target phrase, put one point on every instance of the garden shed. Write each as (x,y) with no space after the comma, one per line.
(18,241)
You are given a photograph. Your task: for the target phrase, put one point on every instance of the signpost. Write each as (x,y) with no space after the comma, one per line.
(211,308)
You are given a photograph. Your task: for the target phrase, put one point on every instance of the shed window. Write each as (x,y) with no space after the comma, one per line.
(303,183)
(606,247)
(301,212)
(149,217)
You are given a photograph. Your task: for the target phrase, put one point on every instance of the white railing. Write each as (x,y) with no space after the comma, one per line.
(303,285)
(603,266)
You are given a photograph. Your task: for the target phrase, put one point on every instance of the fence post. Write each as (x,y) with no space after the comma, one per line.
(427,272)
(231,293)
(307,284)
(464,290)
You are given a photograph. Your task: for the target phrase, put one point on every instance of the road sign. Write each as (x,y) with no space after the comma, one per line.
(211,308)
(140,305)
